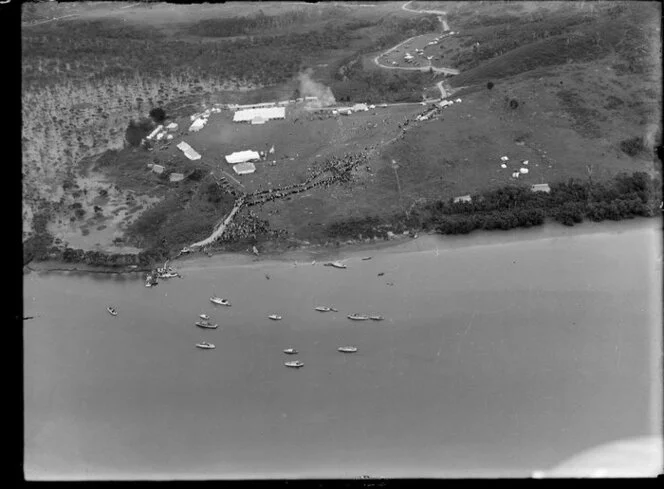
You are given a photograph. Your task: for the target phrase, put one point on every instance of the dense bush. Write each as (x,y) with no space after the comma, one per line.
(633,146)
(158,115)
(137,130)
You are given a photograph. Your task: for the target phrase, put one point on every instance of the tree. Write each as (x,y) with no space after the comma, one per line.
(158,115)
(489,85)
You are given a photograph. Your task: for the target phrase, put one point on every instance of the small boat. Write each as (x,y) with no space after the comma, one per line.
(325,309)
(169,275)
(205,324)
(185,250)
(205,345)
(112,311)
(295,364)
(358,317)
(290,351)
(335,264)
(376,317)
(381,274)
(274,317)
(220,301)
(367,258)
(347,349)
(204,316)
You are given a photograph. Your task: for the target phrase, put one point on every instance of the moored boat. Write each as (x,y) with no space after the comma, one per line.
(205,324)
(376,317)
(274,317)
(335,264)
(295,364)
(290,351)
(205,345)
(169,275)
(112,311)
(325,309)
(204,316)
(347,349)
(220,301)
(358,317)
(367,258)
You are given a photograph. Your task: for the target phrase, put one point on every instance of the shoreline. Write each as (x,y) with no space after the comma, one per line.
(398,244)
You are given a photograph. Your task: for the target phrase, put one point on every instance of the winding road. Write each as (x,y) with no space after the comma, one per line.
(429,67)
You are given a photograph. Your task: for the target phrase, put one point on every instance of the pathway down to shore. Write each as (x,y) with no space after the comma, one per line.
(221,228)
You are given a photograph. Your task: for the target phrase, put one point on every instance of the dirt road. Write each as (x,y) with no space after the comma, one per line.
(222,227)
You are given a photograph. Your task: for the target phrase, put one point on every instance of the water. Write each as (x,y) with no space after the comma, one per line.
(492,359)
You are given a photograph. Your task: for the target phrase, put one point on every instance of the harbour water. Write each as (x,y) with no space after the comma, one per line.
(499,354)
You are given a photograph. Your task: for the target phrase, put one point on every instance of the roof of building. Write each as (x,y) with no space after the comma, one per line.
(244,168)
(541,187)
(176,177)
(242,157)
(198,124)
(266,113)
(188,151)
(463,198)
(157,168)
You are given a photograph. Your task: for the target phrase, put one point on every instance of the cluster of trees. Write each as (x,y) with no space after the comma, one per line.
(624,197)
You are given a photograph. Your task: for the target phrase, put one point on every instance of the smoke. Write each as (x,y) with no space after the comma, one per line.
(311,88)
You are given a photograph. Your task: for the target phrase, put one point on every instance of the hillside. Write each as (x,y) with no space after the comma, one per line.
(573,88)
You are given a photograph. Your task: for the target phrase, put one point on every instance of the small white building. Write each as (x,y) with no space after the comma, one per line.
(198,124)
(267,113)
(360,108)
(244,168)
(540,187)
(242,157)
(172,126)
(155,132)
(176,177)
(158,169)
(523,170)
(310,99)
(463,198)
(188,151)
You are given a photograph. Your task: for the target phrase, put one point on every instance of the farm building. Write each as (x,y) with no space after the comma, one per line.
(176,177)
(244,168)
(242,157)
(265,113)
(155,132)
(188,151)
(540,187)
(463,198)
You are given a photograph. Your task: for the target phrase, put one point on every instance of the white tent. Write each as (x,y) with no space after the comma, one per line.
(523,170)
(267,113)
(198,125)
(188,151)
(242,157)
(503,165)
(244,168)
(504,158)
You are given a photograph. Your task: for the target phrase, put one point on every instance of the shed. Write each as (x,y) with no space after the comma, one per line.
(244,168)
(198,125)
(158,169)
(540,187)
(172,126)
(155,132)
(188,151)
(176,177)
(242,157)
(463,198)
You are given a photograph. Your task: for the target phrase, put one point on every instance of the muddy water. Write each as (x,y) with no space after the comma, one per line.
(499,354)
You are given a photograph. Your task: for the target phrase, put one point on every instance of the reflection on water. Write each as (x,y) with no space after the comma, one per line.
(491,360)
